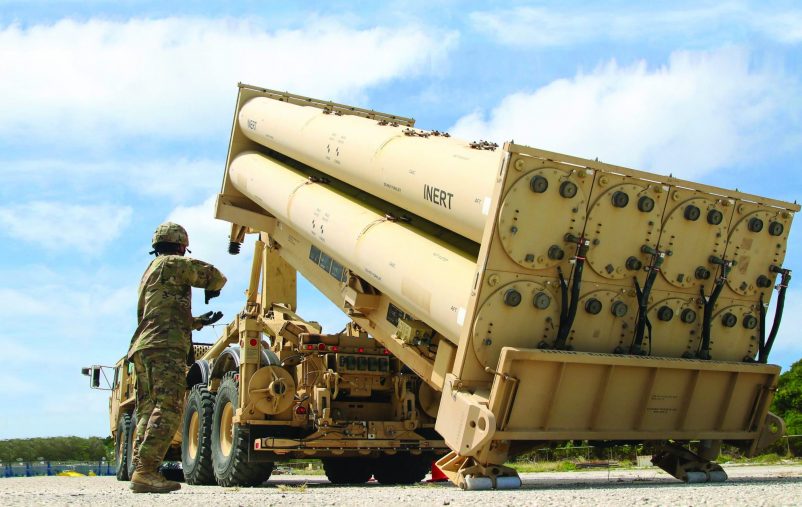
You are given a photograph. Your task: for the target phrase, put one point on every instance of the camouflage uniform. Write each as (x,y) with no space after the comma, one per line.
(159,349)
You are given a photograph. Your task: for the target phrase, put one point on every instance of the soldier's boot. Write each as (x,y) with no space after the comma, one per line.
(148,481)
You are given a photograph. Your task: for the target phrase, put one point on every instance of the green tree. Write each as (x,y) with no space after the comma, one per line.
(788,399)
(56,449)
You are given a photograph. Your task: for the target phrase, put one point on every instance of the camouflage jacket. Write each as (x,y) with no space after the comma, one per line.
(164,311)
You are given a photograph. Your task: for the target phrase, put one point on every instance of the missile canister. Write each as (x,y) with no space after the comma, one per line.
(428,278)
(439,178)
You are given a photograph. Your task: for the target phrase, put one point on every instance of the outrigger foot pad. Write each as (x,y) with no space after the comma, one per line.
(477,484)
(687,466)
(469,475)
(508,482)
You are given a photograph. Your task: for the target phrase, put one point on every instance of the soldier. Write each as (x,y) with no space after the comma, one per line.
(160,346)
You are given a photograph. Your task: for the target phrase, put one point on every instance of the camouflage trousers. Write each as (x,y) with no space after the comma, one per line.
(160,387)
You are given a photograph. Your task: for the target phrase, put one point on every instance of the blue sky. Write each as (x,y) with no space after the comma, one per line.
(115,116)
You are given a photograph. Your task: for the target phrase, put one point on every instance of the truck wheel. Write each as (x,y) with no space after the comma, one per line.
(196,437)
(230,442)
(121,446)
(348,470)
(129,446)
(402,468)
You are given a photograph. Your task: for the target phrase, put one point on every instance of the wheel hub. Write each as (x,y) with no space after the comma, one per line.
(227,429)
(193,435)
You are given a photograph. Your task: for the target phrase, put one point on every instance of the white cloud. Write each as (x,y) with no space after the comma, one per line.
(699,112)
(16,386)
(86,82)
(57,226)
(208,238)
(14,303)
(175,179)
(546,27)
(79,311)
(783,26)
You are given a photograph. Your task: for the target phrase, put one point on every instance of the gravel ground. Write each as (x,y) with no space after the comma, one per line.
(748,485)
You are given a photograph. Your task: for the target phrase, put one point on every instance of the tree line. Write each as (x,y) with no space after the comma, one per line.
(788,399)
(56,449)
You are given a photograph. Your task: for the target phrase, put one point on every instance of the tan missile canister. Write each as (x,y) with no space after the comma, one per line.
(429,279)
(437,177)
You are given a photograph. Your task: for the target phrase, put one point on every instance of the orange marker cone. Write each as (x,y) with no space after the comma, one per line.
(437,474)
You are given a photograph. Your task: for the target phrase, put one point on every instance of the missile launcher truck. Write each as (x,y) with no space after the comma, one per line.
(546,297)
(523,297)
(371,407)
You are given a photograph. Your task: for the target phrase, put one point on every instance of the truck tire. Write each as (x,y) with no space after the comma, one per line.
(348,470)
(121,447)
(196,433)
(230,442)
(402,468)
(129,446)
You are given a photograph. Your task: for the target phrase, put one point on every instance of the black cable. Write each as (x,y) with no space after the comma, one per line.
(563,298)
(640,318)
(576,284)
(761,344)
(563,310)
(709,304)
(643,301)
(778,314)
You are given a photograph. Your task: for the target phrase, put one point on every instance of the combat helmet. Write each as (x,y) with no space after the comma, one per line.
(169,232)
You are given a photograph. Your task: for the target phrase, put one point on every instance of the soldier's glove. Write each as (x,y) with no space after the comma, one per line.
(210,294)
(209,318)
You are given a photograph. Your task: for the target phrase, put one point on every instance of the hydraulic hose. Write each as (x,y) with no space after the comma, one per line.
(563,298)
(765,347)
(563,308)
(710,303)
(761,343)
(658,258)
(576,285)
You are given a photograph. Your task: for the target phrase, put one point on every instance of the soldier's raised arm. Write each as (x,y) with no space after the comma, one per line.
(203,275)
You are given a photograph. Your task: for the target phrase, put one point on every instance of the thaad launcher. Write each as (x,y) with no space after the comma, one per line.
(546,297)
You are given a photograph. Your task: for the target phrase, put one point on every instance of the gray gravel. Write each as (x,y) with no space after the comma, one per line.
(748,485)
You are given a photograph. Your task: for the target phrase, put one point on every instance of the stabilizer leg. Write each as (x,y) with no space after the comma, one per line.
(466,473)
(686,465)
